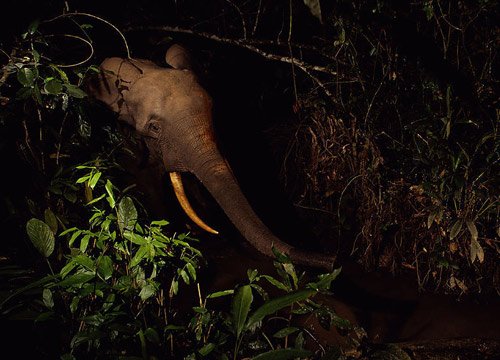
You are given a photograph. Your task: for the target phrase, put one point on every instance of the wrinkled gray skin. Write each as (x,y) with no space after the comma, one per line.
(173,112)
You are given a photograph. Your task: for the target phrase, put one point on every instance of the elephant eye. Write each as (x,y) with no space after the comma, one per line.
(154,127)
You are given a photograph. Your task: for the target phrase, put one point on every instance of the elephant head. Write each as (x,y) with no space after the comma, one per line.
(171,110)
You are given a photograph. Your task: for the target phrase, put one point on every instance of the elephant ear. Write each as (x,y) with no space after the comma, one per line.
(179,58)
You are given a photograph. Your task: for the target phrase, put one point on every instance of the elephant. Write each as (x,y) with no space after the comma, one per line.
(172,112)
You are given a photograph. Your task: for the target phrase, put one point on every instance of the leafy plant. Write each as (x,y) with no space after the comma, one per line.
(112,272)
(261,325)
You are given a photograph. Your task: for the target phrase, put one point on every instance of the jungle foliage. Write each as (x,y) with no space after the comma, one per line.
(393,137)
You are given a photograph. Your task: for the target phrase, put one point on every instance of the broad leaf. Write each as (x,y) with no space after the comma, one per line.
(41,236)
(220,294)
(105,267)
(191,270)
(147,291)
(76,279)
(207,349)
(53,86)
(94,179)
(240,308)
(139,255)
(285,332)
(50,219)
(274,305)
(26,76)
(84,261)
(75,91)
(152,335)
(48,300)
(325,280)
(127,214)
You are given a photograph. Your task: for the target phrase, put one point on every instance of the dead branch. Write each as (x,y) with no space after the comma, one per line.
(305,67)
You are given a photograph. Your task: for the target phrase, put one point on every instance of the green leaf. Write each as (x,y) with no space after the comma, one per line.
(191,270)
(275,282)
(105,267)
(283,354)
(139,255)
(32,28)
(94,179)
(84,243)
(76,279)
(24,93)
(152,335)
(285,332)
(455,229)
(314,8)
(93,201)
(147,291)
(207,349)
(36,56)
(325,280)
(67,269)
(174,288)
(48,300)
(75,91)
(83,179)
(41,236)
(272,306)
(252,274)
(67,231)
(85,261)
(220,294)
(26,76)
(240,308)
(159,222)
(290,270)
(62,74)
(184,275)
(109,190)
(73,306)
(50,219)
(53,86)
(263,293)
(135,238)
(127,214)
(74,237)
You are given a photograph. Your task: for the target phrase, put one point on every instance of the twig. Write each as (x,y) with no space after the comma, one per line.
(289,41)
(78,38)
(59,144)
(305,67)
(5,72)
(243,23)
(241,43)
(97,18)
(41,138)
(257,18)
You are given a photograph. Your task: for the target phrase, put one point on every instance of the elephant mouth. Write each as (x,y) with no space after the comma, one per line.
(175,179)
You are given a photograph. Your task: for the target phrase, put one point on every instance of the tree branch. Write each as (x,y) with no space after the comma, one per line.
(305,67)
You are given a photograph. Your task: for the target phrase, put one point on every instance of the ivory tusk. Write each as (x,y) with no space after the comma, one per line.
(176,180)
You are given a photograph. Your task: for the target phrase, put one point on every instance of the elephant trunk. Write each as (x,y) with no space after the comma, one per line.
(213,171)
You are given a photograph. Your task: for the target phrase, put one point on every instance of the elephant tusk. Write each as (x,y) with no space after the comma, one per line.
(175,178)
